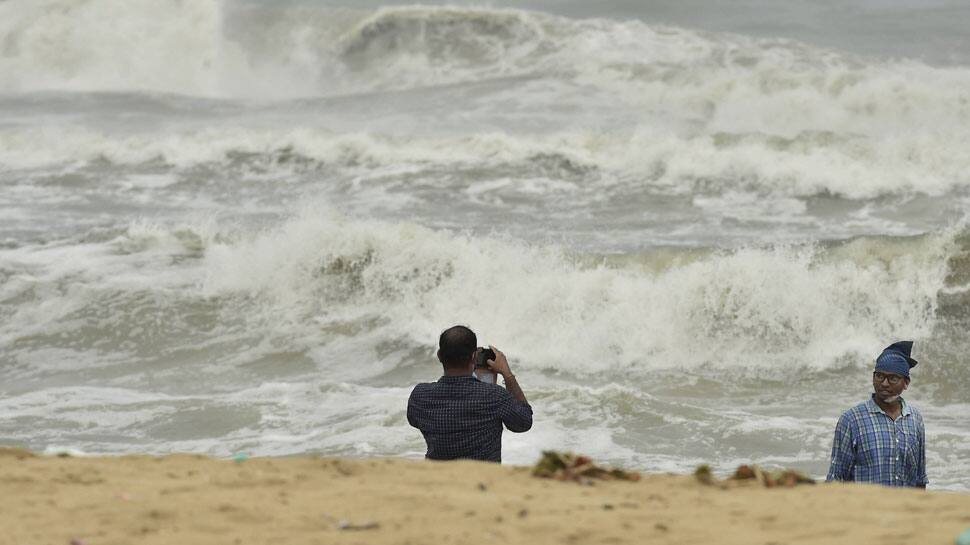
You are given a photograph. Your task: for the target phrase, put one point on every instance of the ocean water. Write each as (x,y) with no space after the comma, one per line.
(240,226)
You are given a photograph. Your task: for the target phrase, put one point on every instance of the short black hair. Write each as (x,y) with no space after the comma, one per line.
(456,345)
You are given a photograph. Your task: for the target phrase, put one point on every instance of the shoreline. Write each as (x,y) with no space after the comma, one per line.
(194,499)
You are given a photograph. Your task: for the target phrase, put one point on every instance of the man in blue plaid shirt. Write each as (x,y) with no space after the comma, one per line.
(882,441)
(460,416)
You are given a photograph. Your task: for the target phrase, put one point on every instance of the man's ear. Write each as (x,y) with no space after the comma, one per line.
(438,354)
(905,383)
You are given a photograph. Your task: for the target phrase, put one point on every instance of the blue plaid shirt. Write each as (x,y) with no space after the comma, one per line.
(870,447)
(461,417)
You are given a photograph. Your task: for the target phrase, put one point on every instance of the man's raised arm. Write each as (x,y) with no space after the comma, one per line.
(501,366)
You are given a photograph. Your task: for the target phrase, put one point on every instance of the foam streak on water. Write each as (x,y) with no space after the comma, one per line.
(244,230)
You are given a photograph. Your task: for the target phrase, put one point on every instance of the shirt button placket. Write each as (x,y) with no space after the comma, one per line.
(895,453)
(897,443)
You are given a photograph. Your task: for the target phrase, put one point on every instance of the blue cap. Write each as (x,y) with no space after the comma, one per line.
(896,359)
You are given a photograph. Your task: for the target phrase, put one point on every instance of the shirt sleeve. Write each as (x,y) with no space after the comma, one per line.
(843,452)
(921,479)
(515,414)
(412,416)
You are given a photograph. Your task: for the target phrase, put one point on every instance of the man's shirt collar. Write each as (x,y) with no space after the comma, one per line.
(875,408)
(456,378)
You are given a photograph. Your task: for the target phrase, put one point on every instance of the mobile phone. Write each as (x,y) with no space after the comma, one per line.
(483,355)
(482,371)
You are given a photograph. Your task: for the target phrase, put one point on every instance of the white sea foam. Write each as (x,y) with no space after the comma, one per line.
(783,307)
(111,44)
(670,110)
(349,311)
(930,164)
(213,49)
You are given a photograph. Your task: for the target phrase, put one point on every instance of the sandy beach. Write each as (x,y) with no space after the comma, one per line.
(189,499)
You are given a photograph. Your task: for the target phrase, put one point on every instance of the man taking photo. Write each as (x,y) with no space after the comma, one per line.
(460,416)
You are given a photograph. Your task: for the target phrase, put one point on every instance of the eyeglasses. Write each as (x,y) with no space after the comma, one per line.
(878,377)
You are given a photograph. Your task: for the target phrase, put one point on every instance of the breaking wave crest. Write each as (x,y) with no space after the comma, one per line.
(214,48)
(662,108)
(808,165)
(318,278)
(782,307)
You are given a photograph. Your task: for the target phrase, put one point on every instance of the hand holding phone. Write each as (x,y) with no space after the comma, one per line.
(483,370)
(499,364)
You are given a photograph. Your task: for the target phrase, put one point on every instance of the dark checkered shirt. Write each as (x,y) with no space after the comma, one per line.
(461,417)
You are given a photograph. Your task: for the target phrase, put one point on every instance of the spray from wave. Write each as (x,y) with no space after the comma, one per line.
(317,279)
(217,48)
(664,109)
(806,166)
